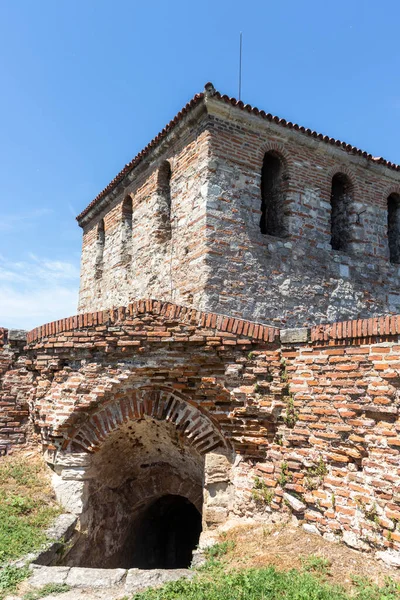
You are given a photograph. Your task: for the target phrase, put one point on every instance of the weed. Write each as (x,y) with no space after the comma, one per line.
(284,373)
(261,493)
(219,549)
(285,476)
(46,590)
(257,387)
(316,564)
(291,414)
(250,355)
(319,470)
(10,577)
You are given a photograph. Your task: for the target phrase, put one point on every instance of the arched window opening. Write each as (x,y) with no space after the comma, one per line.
(272,196)
(341,198)
(393,227)
(100,248)
(126,229)
(164,200)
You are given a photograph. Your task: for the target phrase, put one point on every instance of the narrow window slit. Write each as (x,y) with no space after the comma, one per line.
(272,196)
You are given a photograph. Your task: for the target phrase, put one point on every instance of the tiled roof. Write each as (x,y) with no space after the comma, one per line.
(209,90)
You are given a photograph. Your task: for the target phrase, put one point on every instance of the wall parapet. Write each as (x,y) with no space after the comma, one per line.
(190,316)
(363,330)
(356,329)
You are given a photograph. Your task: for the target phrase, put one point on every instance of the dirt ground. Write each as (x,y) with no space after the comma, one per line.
(287,546)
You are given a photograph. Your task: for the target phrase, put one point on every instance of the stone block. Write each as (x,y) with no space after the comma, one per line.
(81,577)
(45,575)
(294,336)
(140,579)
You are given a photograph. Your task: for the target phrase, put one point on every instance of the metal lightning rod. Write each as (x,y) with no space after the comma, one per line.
(240,66)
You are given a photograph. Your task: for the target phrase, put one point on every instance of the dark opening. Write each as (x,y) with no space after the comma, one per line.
(341,197)
(272,196)
(393,229)
(168,532)
(100,248)
(127,212)
(163,210)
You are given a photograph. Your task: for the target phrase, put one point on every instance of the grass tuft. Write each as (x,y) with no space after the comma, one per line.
(26,506)
(265,584)
(46,590)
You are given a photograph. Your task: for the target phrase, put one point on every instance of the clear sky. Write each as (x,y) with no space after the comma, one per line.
(87,83)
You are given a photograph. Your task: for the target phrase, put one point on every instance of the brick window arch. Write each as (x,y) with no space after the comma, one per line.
(341,199)
(272,195)
(126,229)
(164,200)
(393,227)
(100,241)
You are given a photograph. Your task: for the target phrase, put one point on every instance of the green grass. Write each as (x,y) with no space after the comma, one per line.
(26,507)
(265,584)
(46,590)
(316,564)
(10,577)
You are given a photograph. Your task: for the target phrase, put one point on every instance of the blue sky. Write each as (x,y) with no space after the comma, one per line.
(86,84)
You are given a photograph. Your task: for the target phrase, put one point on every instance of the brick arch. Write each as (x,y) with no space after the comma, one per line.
(279,150)
(189,420)
(337,169)
(388,191)
(140,495)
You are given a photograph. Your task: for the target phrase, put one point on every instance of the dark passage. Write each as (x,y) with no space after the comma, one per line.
(167,534)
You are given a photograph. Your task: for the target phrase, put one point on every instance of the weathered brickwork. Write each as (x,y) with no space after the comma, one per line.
(220,259)
(162,254)
(227,392)
(316,421)
(15,385)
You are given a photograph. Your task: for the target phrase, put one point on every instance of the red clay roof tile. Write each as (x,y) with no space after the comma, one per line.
(209,88)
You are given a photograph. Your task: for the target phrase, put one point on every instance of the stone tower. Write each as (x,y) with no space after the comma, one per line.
(233,210)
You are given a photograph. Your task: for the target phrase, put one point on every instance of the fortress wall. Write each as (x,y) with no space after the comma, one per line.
(15,389)
(312,415)
(296,279)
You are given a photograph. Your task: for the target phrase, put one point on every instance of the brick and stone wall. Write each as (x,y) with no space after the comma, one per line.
(215,256)
(307,419)
(15,388)
(161,255)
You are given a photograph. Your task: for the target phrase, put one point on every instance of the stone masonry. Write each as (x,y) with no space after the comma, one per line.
(215,256)
(304,420)
(264,377)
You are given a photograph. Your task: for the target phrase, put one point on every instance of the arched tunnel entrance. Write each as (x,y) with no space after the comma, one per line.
(143,495)
(166,534)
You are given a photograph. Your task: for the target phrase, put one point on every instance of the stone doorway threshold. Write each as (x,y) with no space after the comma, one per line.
(129,581)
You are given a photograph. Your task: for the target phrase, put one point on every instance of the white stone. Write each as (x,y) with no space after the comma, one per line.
(69,494)
(351,539)
(293,336)
(83,577)
(311,529)
(295,503)
(344,270)
(44,575)
(140,579)
(389,557)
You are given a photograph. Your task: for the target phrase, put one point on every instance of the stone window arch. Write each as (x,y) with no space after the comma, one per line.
(164,200)
(341,200)
(100,242)
(273,195)
(393,227)
(126,229)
